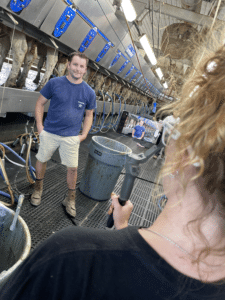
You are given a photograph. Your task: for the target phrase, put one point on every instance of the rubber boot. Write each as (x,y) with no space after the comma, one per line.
(36,196)
(69,203)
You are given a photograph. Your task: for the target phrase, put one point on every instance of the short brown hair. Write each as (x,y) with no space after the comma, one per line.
(81,55)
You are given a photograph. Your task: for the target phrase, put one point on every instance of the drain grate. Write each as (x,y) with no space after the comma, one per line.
(50,216)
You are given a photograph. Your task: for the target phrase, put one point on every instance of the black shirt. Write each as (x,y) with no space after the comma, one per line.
(84,263)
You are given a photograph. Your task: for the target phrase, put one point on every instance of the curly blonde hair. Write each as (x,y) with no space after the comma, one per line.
(201,109)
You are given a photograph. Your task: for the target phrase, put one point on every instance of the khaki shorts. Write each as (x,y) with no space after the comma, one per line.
(68,148)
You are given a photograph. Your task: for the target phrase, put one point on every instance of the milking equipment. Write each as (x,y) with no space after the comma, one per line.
(26,140)
(18,5)
(134,160)
(132,171)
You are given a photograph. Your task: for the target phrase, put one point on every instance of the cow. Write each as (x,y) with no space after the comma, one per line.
(19,48)
(25,51)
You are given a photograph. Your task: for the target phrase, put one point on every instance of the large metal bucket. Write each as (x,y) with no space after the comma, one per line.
(105,162)
(14,245)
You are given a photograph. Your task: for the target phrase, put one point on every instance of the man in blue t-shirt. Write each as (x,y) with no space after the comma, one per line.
(70,96)
(139,131)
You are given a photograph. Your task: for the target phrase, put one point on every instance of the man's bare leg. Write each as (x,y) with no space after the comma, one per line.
(71,178)
(69,201)
(40,169)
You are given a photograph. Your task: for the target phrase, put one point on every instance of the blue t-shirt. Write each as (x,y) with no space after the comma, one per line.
(138,131)
(67,106)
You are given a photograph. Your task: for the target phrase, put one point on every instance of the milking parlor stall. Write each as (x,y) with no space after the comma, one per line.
(138,59)
(37,36)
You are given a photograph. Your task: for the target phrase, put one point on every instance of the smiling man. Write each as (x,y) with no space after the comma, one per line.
(69,97)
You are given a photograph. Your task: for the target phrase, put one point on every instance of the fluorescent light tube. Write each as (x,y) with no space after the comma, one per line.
(148,50)
(165,85)
(159,73)
(128,10)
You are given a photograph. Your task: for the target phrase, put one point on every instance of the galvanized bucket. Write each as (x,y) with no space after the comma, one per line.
(105,162)
(14,245)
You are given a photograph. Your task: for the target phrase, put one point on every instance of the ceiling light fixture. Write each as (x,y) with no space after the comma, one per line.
(148,50)
(128,10)
(165,85)
(159,73)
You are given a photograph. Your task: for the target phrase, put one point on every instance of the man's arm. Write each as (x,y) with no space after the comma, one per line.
(143,133)
(88,119)
(39,112)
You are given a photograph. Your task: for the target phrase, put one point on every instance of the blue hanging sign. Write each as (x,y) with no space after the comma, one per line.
(123,66)
(18,5)
(103,52)
(68,2)
(88,39)
(131,69)
(87,20)
(64,22)
(130,51)
(116,58)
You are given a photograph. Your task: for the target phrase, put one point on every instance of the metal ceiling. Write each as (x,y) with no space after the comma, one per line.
(153,17)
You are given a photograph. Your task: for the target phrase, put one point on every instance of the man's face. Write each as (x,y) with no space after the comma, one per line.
(77,67)
(141,123)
